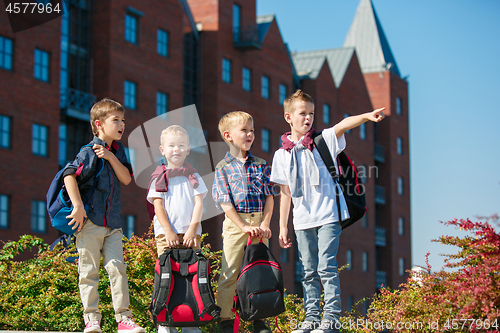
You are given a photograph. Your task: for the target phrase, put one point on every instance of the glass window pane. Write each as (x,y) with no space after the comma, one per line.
(326,114)
(265,87)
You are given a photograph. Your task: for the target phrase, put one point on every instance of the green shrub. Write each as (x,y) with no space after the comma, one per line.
(42,294)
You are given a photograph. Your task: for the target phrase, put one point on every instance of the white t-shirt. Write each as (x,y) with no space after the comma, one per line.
(179,203)
(318,206)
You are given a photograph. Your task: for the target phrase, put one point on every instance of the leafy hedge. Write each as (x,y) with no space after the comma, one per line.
(42,294)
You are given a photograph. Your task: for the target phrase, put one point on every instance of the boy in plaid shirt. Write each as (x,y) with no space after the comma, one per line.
(242,189)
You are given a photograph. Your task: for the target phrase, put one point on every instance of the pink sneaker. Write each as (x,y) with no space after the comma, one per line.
(92,327)
(128,326)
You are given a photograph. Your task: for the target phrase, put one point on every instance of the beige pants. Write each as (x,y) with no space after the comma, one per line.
(92,242)
(161,243)
(233,247)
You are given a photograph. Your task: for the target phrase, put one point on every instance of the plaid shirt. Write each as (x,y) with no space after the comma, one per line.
(245,185)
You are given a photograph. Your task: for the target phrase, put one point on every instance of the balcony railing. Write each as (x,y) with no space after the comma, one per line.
(380,236)
(247,38)
(379,153)
(76,103)
(379,194)
(381,279)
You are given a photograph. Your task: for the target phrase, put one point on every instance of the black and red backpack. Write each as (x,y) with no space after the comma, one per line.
(348,180)
(182,294)
(259,287)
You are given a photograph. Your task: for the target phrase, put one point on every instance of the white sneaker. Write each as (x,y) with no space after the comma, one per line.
(92,327)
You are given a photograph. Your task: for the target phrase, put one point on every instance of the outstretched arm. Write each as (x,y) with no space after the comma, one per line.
(354,121)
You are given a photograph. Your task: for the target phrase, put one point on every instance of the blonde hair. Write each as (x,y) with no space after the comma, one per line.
(174,129)
(299,95)
(100,111)
(231,119)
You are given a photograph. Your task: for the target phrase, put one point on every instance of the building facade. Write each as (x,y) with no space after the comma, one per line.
(158,56)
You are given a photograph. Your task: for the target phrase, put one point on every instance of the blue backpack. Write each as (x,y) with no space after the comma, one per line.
(59,204)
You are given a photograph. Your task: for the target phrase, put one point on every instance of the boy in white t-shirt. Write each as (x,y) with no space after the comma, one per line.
(175,198)
(305,181)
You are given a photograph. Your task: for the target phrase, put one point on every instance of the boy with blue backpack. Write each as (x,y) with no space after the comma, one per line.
(306,182)
(99,228)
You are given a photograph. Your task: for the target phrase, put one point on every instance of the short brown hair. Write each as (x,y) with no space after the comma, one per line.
(100,111)
(299,95)
(175,129)
(231,119)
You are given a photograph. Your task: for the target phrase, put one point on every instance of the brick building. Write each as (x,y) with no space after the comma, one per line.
(157,56)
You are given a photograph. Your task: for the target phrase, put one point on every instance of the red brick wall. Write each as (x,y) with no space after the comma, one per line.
(384,88)
(23,176)
(139,63)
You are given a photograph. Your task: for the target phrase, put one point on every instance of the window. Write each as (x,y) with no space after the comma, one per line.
(40,139)
(398,105)
(236,23)
(266,137)
(401,226)
(162,42)
(363,173)
(364,258)
(4,211)
(400,186)
(6,53)
(282,93)
(130,100)
(345,116)
(362,131)
(326,114)
(399,144)
(62,144)
(226,70)
(348,259)
(131,28)
(4,132)
(38,216)
(247,79)
(161,103)
(42,61)
(401,266)
(129,226)
(264,82)
(130,152)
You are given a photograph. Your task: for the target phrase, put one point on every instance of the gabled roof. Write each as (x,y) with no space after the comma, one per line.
(309,63)
(263,24)
(367,36)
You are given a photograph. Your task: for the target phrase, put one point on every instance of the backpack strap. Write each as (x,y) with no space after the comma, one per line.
(236,327)
(204,286)
(65,239)
(326,156)
(165,281)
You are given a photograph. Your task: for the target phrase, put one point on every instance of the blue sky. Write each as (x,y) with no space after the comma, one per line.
(450,51)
